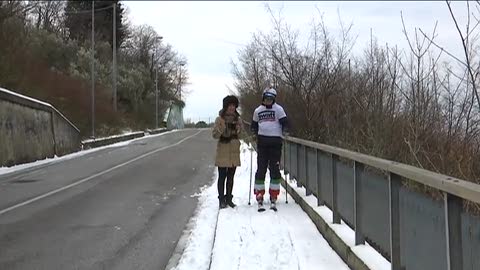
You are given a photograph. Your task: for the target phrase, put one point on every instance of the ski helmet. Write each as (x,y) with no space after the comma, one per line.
(269,92)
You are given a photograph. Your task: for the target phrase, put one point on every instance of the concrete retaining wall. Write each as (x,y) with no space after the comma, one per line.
(67,139)
(32,130)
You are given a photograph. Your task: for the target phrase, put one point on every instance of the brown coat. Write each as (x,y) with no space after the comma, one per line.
(228,154)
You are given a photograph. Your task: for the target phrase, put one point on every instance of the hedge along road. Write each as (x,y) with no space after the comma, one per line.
(117,208)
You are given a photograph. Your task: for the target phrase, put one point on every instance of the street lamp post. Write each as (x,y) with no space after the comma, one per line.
(114,60)
(93,69)
(156,86)
(156,97)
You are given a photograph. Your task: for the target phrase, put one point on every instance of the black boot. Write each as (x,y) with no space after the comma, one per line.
(229,196)
(230,202)
(222,202)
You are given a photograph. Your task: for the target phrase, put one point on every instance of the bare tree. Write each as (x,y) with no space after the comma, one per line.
(48,15)
(468,39)
(141,45)
(11,8)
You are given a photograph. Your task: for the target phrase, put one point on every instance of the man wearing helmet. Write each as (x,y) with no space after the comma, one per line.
(269,123)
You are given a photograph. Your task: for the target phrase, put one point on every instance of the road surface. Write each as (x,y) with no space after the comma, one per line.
(117,208)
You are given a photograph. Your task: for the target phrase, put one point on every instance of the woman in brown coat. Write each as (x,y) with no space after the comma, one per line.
(228,129)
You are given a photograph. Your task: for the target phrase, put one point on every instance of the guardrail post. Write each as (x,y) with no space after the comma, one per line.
(290,159)
(319,177)
(298,165)
(289,175)
(358,207)
(394,184)
(453,229)
(285,170)
(336,214)
(308,190)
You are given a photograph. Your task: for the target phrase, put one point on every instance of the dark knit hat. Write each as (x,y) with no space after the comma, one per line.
(231,99)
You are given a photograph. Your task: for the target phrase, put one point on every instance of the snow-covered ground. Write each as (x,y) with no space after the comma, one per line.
(243,238)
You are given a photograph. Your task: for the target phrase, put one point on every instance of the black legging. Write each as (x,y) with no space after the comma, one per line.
(228,173)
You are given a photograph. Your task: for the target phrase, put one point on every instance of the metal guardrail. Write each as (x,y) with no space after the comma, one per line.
(92,143)
(410,229)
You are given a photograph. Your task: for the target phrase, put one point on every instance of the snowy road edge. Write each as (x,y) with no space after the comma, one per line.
(200,212)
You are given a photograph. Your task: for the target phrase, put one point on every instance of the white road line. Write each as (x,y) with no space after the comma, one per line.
(92,177)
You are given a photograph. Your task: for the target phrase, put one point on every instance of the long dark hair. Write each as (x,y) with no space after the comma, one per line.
(224,111)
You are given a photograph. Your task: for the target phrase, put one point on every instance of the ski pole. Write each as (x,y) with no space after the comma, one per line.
(285,179)
(251,164)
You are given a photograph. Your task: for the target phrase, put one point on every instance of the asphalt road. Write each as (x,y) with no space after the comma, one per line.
(117,208)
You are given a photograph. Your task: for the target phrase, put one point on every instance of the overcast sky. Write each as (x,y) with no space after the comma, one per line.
(210,33)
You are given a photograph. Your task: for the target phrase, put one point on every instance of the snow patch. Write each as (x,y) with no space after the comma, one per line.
(242,238)
(24,97)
